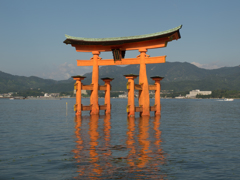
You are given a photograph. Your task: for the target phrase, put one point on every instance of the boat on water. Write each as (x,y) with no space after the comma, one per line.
(180,97)
(43,98)
(16,98)
(227,99)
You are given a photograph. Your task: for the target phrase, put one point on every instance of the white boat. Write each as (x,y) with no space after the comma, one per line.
(180,97)
(11,98)
(227,99)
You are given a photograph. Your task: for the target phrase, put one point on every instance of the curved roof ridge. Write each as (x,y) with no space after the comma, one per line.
(124,38)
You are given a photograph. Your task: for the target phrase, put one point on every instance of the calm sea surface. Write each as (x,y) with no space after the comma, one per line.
(193,139)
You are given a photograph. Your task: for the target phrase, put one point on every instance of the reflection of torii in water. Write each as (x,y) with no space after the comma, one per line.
(119,46)
(94,152)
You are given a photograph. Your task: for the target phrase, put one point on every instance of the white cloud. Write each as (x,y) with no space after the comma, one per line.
(65,71)
(213,65)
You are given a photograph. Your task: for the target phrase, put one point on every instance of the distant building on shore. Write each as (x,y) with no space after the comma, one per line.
(51,94)
(194,93)
(122,96)
(82,92)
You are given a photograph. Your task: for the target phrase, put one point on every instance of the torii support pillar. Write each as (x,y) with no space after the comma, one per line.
(130,87)
(157,80)
(144,101)
(78,87)
(95,77)
(107,102)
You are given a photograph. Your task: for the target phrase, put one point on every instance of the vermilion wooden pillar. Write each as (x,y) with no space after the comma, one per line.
(130,87)
(144,101)
(95,77)
(107,81)
(78,87)
(157,80)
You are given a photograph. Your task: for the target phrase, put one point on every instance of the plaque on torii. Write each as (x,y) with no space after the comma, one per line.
(119,46)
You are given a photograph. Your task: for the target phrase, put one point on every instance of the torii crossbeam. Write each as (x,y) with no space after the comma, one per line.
(119,46)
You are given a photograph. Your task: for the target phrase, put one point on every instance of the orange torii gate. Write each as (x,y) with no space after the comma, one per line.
(119,46)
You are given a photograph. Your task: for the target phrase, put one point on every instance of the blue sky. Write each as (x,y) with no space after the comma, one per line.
(32,32)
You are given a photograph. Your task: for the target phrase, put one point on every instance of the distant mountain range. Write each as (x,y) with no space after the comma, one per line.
(177,76)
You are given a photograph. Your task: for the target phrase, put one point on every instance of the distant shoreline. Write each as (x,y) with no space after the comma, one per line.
(46,98)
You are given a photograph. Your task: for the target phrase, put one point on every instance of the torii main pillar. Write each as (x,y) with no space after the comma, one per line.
(144,101)
(95,78)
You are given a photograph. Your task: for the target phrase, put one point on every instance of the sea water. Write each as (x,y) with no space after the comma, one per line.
(193,139)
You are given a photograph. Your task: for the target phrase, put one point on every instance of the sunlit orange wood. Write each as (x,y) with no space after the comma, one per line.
(149,44)
(153,108)
(107,94)
(130,87)
(137,87)
(87,108)
(95,77)
(102,88)
(90,87)
(144,101)
(103,107)
(128,61)
(138,109)
(157,80)
(78,85)
(152,87)
(87,87)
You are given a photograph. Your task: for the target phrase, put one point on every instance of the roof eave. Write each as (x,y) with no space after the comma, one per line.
(121,40)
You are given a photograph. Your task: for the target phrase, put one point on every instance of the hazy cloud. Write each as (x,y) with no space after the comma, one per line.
(65,71)
(213,65)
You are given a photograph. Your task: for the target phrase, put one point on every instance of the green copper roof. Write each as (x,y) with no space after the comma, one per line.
(157,77)
(127,75)
(106,41)
(105,78)
(78,76)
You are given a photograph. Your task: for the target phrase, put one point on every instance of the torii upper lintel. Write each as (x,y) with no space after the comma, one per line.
(149,41)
